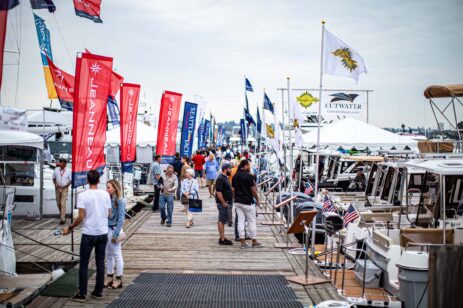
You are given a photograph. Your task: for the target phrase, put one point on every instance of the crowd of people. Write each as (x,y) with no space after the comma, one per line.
(229,176)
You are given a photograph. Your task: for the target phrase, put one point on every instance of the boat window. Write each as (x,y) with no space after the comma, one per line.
(398,184)
(382,176)
(18,153)
(371,179)
(18,174)
(387,184)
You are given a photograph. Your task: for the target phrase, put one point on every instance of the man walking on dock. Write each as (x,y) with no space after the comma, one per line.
(94,206)
(156,179)
(166,199)
(62,180)
(224,199)
(246,198)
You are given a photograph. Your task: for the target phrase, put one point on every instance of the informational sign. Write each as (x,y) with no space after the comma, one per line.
(13,119)
(343,104)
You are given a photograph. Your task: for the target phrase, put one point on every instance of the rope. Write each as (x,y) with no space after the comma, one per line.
(40,258)
(64,42)
(35,241)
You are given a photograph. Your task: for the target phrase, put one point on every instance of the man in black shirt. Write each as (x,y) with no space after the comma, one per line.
(224,199)
(246,197)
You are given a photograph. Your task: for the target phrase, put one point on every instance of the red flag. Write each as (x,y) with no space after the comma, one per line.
(130,94)
(93,79)
(88,9)
(168,123)
(64,85)
(116,82)
(3,18)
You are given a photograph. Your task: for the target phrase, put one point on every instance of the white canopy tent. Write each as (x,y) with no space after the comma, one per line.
(351,132)
(9,137)
(146,135)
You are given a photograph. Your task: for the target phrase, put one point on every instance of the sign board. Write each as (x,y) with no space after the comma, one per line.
(13,119)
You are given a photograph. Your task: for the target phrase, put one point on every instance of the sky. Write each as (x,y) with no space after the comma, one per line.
(204,47)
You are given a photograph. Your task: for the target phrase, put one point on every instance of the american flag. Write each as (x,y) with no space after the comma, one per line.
(328,206)
(308,188)
(350,215)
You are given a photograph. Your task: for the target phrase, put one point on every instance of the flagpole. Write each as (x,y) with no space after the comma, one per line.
(317,166)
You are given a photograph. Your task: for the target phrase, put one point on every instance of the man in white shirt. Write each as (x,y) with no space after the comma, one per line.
(62,179)
(94,208)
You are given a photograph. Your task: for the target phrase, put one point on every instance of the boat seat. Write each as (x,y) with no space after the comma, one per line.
(382,239)
(375,217)
(424,236)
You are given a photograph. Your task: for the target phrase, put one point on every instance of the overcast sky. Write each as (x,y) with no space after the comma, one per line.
(205,47)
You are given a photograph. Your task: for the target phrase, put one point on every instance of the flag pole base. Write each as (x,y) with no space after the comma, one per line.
(310,280)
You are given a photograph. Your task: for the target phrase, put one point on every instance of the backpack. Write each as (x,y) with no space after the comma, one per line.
(228,155)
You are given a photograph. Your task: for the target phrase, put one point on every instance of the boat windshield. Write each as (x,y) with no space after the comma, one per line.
(17,164)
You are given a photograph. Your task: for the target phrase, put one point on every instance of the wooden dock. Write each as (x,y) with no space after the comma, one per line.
(156,248)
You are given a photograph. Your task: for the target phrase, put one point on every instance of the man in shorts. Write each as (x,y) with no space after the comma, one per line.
(224,199)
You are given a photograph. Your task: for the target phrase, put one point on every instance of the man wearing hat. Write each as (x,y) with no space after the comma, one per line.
(62,180)
(224,199)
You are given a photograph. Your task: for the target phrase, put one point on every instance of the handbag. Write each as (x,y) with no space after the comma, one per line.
(195,205)
(183,199)
(122,236)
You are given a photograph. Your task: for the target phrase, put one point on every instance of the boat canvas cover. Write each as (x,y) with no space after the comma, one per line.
(353,132)
(8,137)
(437,91)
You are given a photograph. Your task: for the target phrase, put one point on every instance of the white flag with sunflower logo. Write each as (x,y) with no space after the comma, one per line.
(340,59)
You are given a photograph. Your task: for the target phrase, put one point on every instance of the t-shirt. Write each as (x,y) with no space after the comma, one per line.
(62,176)
(96,203)
(198,161)
(242,183)
(222,184)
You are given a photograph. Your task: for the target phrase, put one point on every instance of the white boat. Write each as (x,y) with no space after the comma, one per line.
(22,166)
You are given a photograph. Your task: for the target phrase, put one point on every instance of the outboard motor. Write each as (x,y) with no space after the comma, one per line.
(332,222)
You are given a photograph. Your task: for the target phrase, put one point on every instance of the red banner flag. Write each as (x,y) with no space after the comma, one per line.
(64,85)
(116,82)
(168,123)
(130,94)
(93,79)
(88,9)
(3,19)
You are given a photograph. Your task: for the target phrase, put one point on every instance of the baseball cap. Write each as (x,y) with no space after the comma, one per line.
(226,166)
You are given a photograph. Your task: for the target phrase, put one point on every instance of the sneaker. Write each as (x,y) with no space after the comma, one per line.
(230,224)
(79,298)
(257,245)
(163,221)
(225,242)
(62,222)
(96,295)
(237,239)
(169,225)
(245,246)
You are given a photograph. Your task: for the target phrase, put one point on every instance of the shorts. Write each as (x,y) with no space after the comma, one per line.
(210,182)
(199,173)
(223,213)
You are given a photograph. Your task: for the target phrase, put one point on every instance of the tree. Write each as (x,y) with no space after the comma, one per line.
(460,125)
(403,127)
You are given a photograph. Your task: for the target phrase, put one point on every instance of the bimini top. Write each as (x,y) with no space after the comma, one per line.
(11,137)
(444,91)
(440,166)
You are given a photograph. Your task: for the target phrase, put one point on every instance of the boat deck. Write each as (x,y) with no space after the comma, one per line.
(152,247)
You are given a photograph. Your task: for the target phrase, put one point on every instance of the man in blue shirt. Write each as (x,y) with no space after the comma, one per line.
(157,181)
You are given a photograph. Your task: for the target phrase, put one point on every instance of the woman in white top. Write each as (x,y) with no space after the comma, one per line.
(190,190)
